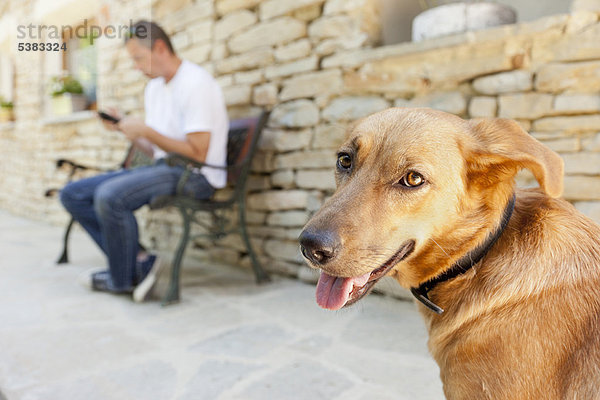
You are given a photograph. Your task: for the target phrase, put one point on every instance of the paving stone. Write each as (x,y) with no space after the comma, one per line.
(247,341)
(301,379)
(214,377)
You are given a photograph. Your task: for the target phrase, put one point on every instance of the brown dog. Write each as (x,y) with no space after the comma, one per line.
(510,289)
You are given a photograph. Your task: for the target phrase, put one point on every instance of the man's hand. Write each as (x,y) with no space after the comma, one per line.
(110,125)
(132,127)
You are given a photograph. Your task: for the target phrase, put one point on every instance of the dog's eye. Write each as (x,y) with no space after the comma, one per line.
(412,179)
(344,161)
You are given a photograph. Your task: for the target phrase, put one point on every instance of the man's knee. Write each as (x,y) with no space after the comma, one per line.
(107,201)
(68,196)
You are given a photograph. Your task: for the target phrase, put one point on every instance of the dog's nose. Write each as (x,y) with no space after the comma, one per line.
(319,247)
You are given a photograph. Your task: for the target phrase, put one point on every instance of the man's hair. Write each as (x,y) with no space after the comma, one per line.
(148,33)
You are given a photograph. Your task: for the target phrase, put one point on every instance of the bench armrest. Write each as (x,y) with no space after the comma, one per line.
(190,167)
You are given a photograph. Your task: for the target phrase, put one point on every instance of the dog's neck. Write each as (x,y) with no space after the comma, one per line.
(465,263)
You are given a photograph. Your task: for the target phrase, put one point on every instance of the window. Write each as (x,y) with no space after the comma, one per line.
(73,71)
(80,62)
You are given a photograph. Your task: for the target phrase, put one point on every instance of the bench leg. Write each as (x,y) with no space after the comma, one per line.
(64,257)
(172,295)
(259,272)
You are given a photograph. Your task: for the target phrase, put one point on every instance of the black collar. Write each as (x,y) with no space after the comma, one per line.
(465,263)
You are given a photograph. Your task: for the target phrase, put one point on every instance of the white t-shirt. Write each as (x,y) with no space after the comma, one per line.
(191,101)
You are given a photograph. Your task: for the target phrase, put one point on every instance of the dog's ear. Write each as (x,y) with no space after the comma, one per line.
(502,148)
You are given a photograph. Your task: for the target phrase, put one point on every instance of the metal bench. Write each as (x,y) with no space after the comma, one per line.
(242,143)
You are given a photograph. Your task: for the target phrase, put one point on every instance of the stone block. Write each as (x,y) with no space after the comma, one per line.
(265,95)
(312,84)
(329,136)
(295,114)
(282,140)
(331,46)
(304,65)
(570,144)
(351,108)
(263,162)
(275,8)
(579,45)
(283,179)
(582,188)
(242,62)
(250,77)
(162,9)
(316,179)
(525,105)
(236,95)
(198,53)
(450,102)
(579,123)
(439,69)
(276,200)
(483,107)
(286,250)
(308,13)
(577,103)
(579,77)
(288,218)
(234,23)
(589,208)
(227,6)
(293,51)
(306,159)
(218,52)
(201,31)
(332,27)
(505,82)
(366,12)
(582,163)
(256,217)
(271,33)
(591,142)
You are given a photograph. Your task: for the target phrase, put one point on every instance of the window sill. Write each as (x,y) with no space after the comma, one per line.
(66,119)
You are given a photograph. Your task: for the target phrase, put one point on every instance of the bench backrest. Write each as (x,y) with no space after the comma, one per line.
(241,147)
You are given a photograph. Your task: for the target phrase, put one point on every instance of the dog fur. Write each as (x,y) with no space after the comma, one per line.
(524,322)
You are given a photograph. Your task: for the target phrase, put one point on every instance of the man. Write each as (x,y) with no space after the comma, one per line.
(184,113)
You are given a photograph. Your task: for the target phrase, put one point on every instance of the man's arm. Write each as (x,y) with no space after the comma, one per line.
(195,145)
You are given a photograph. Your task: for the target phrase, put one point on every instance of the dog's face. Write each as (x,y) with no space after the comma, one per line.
(414,188)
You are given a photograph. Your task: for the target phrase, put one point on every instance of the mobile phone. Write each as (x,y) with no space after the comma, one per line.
(108,117)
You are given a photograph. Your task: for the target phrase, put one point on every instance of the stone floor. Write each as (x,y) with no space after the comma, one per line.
(227,339)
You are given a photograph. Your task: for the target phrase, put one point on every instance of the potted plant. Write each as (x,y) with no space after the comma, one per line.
(445,17)
(66,95)
(6,111)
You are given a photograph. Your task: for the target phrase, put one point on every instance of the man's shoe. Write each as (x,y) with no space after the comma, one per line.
(147,282)
(101,281)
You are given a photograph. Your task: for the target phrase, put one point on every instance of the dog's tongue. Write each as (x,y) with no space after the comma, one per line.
(333,292)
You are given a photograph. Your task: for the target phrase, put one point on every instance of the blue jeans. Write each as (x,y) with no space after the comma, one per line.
(104,206)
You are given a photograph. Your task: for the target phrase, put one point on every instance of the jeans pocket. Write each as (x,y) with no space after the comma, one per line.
(198,187)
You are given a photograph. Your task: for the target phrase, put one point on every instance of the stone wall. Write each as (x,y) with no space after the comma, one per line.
(316,64)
